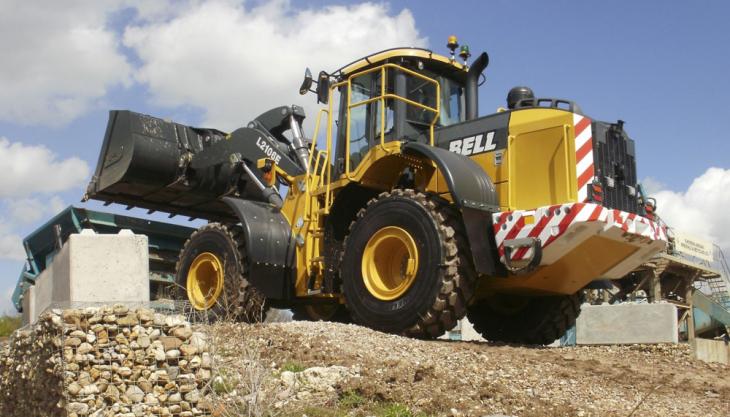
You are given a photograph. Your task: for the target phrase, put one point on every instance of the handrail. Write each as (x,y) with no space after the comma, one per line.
(381,98)
(316,134)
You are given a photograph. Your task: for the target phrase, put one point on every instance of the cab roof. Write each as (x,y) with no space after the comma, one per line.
(435,62)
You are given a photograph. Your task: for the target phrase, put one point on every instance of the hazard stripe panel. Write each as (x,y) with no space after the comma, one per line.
(551,222)
(583,154)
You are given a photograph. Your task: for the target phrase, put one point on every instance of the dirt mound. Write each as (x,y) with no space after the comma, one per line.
(381,374)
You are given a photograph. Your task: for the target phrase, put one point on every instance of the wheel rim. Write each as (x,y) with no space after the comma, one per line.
(205,281)
(389,263)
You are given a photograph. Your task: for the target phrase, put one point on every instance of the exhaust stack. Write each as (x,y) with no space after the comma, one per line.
(472,81)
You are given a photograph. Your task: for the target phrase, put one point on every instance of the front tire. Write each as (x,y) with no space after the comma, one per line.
(401,268)
(211,274)
(523,319)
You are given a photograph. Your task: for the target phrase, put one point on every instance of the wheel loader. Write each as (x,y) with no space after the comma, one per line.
(404,212)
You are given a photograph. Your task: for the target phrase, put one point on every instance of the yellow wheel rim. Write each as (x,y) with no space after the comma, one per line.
(389,263)
(205,281)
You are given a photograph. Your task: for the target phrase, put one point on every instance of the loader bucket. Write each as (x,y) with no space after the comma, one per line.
(144,162)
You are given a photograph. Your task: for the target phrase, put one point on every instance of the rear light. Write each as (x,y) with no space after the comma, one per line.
(595,191)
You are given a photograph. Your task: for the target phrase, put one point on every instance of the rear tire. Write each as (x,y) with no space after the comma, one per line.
(321,312)
(401,268)
(211,274)
(525,320)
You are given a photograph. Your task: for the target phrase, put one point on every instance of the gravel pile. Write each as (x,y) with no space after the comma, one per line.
(106,361)
(470,378)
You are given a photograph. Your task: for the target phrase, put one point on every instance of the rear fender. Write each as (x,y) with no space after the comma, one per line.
(476,197)
(269,247)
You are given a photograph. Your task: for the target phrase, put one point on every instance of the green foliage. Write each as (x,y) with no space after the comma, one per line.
(393,410)
(351,399)
(293,367)
(8,324)
(223,384)
(314,412)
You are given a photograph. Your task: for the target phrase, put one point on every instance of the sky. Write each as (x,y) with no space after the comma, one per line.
(660,66)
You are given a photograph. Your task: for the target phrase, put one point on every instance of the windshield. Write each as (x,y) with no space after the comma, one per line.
(452,102)
(423,92)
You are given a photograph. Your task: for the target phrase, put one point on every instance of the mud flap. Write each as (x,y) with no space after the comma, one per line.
(269,247)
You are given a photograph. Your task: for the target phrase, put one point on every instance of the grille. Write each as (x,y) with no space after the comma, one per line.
(615,166)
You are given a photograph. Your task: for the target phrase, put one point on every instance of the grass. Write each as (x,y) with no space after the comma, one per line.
(8,324)
(314,412)
(370,409)
(351,399)
(223,384)
(393,410)
(293,367)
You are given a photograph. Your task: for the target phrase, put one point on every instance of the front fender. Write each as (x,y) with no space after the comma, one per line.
(473,192)
(269,247)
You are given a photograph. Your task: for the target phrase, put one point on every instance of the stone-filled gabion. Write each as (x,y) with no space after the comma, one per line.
(106,361)
(31,373)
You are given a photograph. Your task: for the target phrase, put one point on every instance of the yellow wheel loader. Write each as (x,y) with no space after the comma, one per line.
(405,211)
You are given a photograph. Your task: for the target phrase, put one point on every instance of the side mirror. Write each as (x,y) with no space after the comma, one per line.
(323,87)
(307,83)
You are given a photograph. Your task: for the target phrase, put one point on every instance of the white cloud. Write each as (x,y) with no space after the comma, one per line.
(6,304)
(232,60)
(25,210)
(702,209)
(154,10)
(236,62)
(32,210)
(58,59)
(29,169)
(11,244)
(652,185)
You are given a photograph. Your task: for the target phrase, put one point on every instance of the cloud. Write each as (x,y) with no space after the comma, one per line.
(30,174)
(11,244)
(702,209)
(32,210)
(237,62)
(228,59)
(652,185)
(6,304)
(31,169)
(18,212)
(59,58)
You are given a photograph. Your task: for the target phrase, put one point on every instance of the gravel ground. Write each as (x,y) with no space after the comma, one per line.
(382,374)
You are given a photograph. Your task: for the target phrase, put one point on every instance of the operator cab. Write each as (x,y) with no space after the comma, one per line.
(422,91)
(396,94)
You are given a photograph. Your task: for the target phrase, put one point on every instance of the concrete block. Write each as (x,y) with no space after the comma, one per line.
(712,350)
(95,268)
(43,292)
(627,324)
(467,331)
(464,330)
(29,305)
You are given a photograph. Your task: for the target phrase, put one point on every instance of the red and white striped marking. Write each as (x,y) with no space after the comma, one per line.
(551,222)
(583,154)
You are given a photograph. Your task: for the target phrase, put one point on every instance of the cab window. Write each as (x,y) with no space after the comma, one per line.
(452,102)
(365,119)
(422,92)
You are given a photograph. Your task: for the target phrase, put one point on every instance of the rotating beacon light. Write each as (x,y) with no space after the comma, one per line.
(452,44)
(465,54)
